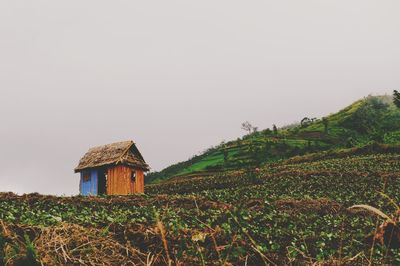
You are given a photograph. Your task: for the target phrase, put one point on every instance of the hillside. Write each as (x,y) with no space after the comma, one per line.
(374,118)
(293,212)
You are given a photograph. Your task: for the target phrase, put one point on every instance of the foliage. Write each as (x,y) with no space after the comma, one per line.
(305,122)
(393,137)
(325,122)
(396,98)
(367,118)
(275,129)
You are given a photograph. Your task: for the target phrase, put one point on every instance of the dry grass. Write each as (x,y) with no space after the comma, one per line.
(69,244)
(321,206)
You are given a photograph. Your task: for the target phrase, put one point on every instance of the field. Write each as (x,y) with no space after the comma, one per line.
(291,212)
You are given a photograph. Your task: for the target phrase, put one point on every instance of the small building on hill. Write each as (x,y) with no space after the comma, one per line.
(113,169)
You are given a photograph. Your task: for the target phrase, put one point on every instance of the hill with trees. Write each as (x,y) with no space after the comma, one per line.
(371,119)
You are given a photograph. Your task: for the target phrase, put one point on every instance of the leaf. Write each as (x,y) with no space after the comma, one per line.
(199,237)
(57,218)
(373,210)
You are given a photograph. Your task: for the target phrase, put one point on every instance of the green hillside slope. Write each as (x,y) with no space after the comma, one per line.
(374,118)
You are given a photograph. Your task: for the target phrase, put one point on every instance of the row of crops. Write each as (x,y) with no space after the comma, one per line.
(288,213)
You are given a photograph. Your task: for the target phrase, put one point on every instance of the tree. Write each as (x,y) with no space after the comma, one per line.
(396,98)
(275,130)
(256,155)
(267,132)
(305,122)
(368,118)
(325,122)
(247,126)
(351,142)
(226,154)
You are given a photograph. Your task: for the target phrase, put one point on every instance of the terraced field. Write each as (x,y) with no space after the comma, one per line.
(288,213)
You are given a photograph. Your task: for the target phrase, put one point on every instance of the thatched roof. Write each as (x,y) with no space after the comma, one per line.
(124,153)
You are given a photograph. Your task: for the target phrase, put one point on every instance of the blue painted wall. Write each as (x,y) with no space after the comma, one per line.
(89,187)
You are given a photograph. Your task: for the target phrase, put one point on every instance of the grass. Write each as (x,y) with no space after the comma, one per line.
(216,158)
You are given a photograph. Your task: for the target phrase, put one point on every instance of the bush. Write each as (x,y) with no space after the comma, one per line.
(368,118)
(392,138)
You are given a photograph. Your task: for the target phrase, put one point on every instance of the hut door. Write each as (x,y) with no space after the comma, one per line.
(102,184)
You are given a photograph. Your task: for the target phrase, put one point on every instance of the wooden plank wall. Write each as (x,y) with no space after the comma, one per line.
(119,181)
(139,186)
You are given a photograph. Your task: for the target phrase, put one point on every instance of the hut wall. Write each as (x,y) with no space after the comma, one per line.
(88,186)
(119,180)
(139,184)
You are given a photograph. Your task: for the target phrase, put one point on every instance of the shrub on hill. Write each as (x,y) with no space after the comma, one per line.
(367,119)
(396,98)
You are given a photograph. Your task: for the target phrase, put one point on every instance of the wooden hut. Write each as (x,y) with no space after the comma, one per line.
(113,169)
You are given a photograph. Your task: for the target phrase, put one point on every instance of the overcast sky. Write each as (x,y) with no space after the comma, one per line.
(176,76)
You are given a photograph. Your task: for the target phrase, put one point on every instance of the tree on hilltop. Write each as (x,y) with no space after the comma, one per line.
(249,127)
(275,129)
(325,122)
(305,122)
(396,98)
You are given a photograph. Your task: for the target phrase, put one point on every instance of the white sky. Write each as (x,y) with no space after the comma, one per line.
(176,76)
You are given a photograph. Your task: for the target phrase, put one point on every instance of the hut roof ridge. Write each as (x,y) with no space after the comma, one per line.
(123,152)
